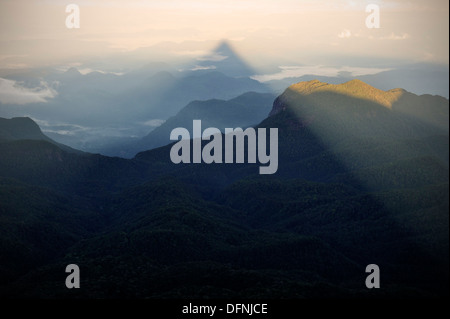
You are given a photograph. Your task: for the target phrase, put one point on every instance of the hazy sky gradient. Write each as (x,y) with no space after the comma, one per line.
(33,32)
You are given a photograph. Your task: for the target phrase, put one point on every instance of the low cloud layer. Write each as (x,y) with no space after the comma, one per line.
(200,68)
(215,57)
(298,71)
(13,92)
(154,122)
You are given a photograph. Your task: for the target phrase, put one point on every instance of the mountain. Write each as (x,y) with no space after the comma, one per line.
(356,107)
(24,128)
(20,128)
(210,85)
(325,130)
(163,95)
(243,111)
(101,110)
(360,181)
(418,78)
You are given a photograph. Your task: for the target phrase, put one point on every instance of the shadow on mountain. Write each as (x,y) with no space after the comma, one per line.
(223,59)
(220,75)
(103,112)
(245,110)
(358,183)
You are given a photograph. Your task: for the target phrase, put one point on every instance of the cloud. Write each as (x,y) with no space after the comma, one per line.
(428,56)
(345,34)
(85,71)
(394,36)
(13,92)
(60,128)
(60,132)
(189,52)
(85,132)
(298,71)
(199,68)
(215,57)
(154,122)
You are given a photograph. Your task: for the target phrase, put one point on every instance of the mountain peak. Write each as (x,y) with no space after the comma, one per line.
(223,58)
(20,128)
(25,128)
(73,71)
(224,47)
(354,88)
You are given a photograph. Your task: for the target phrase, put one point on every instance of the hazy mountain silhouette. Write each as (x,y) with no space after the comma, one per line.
(101,110)
(243,111)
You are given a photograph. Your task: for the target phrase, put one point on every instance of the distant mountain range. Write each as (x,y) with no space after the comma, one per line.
(98,110)
(419,78)
(243,111)
(362,179)
(101,111)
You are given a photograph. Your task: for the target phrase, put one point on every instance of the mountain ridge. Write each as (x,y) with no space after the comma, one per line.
(355,88)
(18,128)
(24,128)
(315,100)
(245,110)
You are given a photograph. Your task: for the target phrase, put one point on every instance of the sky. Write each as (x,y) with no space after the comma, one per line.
(33,33)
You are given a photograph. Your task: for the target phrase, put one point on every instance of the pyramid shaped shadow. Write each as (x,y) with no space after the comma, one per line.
(224,59)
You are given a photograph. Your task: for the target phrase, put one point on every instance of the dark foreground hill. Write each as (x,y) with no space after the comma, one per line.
(361,180)
(24,128)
